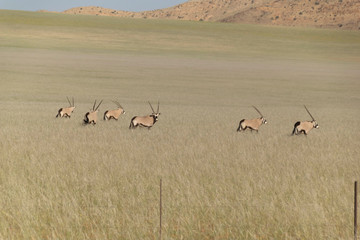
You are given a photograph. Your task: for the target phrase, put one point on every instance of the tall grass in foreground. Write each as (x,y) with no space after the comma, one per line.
(62,180)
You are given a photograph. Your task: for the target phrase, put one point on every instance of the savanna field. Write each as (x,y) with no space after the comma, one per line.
(60,179)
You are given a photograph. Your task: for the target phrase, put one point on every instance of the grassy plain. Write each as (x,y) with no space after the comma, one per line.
(62,180)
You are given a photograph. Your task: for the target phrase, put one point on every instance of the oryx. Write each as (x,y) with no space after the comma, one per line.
(114,113)
(252,124)
(91,117)
(66,112)
(306,126)
(145,121)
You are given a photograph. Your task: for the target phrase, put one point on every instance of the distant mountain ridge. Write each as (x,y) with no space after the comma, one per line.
(342,14)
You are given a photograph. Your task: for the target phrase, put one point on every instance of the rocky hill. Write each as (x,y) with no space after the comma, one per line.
(343,14)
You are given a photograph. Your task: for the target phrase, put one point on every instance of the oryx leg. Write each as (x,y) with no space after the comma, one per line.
(59,113)
(240,128)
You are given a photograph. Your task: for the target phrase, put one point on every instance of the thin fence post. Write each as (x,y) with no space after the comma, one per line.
(355,211)
(160,207)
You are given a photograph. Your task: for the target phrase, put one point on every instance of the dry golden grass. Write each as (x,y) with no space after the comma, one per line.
(62,180)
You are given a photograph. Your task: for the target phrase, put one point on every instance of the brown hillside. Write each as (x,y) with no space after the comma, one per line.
(344,14)
(330,14)
(99,11)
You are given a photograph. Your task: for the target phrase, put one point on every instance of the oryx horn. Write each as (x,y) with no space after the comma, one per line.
(258,111)
(70,102)
(151,107)
(309,113)
(117,104)
(97,105)
(94,105)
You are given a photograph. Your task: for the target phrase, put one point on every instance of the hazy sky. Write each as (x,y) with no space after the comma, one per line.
(61,5)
